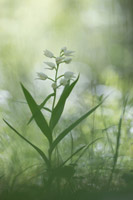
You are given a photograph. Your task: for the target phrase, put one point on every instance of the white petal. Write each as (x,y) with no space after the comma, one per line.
(50,64)
(69,75)
(64,81)
(67,60)
(64,49)
(68,53)
(48,53)
(54,86)
(59,60)
(42,76)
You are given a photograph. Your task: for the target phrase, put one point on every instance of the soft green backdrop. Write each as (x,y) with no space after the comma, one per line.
(100,32)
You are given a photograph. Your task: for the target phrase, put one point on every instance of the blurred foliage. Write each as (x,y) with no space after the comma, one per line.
(100,32)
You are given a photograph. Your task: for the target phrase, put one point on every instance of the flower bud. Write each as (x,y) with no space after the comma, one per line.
(54,86)
(68,53)
(63,49)
(50,64)
(67,60)
(48,53)
(59,60)
(42,76)
(69,75)
(64,81)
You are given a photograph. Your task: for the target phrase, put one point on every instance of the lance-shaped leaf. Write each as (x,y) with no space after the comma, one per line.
(86,149)
(41,106)
(71,127)
(61,103)
(38,116)
(44,157)
(77,151)
(45,108)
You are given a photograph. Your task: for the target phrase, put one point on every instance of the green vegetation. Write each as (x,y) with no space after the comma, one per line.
(61,170)
(67,132)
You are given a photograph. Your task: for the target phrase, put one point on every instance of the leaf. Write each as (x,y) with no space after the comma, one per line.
(35,147)
(87,148)
(38,116)
(41,106)
(60,105)
(116,155)
(71,127)
(45,108)
(78,150)
(19,174)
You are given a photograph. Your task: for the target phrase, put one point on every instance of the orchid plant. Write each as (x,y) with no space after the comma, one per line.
(67,80)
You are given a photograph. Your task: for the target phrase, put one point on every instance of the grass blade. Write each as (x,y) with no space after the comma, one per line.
(47,109)
(35,147)
(60,105)
(72,126)
(38,116)
(41,106)
(78,150)
(87,148)
(117,144)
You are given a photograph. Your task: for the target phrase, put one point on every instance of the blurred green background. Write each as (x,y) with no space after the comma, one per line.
(101,34)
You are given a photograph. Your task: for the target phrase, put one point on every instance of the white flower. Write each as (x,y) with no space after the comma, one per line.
(59,60)
(54,86)
(67,60)
(48,53)
(68,53)
(64,81)
(42,76)
(69,75)
(63,49)
(50,64)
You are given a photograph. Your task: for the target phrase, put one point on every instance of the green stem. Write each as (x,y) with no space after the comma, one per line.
(55,81)
(50,79)
(59,77)
(53,105)
(117,145)
(106,130)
